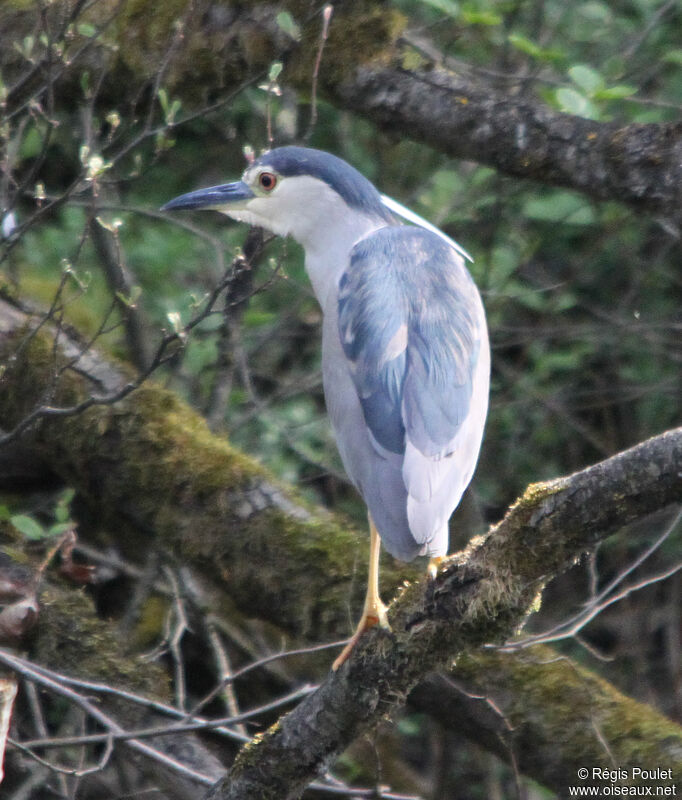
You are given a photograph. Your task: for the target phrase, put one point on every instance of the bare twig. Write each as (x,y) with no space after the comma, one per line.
(237,296)
(122,735)
(19,663)
(259,664)
(225,672)
(163,355)
(70,771)
(108,246)
(177,625)
(327,12)
(572,626)
(27,671)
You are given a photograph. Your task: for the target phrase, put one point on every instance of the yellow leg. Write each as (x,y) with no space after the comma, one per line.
(374,612)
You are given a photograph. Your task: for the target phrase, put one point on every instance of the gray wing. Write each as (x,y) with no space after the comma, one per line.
(409,327)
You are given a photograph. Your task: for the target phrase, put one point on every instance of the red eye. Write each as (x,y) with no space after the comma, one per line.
(267,181)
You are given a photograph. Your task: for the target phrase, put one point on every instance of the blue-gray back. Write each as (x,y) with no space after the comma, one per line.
(407,322)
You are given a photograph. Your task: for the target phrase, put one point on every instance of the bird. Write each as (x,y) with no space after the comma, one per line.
(405,349)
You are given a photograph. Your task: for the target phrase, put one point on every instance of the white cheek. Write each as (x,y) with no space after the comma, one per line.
(275,211)
(303,205)
(307,209)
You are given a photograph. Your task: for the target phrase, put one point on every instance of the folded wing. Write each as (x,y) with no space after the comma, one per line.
(411,325)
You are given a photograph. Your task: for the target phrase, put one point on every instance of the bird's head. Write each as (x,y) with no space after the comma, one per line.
(297,191)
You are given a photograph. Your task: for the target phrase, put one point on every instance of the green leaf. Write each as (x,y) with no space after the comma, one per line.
(254,318)
(596,12)
(62,512)
(170,109)
(474,17)
(560,206)
(58,528)
(673,57)
(275,71)
(445,185)
(28,526)
(163,99)
(446,6)
(524,44)
(411,725)
(32,143)
(617,92)
(588,79)
(530,48)
(504,262)
(289,25)
(87,30)
(27,47)
(573,102)
(85,83)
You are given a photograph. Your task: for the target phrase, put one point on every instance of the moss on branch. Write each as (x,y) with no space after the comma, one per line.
(149,468)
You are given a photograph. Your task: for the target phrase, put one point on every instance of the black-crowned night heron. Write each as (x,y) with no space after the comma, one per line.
(405,354)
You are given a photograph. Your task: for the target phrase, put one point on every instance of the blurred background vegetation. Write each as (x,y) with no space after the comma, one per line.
(583,297)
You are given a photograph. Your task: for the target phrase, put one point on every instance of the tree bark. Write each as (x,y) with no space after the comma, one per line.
(637,164)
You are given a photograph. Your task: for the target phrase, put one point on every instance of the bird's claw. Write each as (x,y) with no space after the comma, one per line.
(434,565)
(376,615)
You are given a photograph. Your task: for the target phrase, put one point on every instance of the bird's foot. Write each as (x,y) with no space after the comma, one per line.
(375,613)
(434,565)
(431,573)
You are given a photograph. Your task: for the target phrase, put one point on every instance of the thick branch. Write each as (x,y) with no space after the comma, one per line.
(638,164)
(480,598)
(515,704)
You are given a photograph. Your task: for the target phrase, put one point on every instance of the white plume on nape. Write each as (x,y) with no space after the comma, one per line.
(410,216)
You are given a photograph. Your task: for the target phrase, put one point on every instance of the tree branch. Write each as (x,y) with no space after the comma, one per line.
(481,597)
(515,705)
(637,164)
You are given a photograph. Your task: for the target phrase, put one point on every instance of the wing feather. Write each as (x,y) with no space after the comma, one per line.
(409,328)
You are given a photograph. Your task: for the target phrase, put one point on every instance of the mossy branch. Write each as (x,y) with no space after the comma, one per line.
(153,472)
(516,704)
(149,468)
(481,597)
